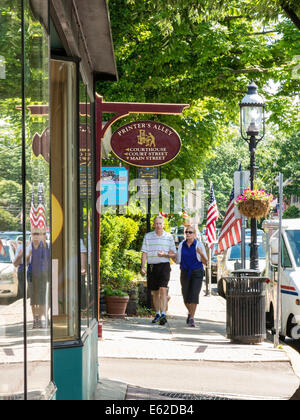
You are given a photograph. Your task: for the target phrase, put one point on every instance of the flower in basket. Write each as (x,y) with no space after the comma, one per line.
(255,203)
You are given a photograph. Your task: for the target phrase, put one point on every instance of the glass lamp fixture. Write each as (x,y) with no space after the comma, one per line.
(252,114)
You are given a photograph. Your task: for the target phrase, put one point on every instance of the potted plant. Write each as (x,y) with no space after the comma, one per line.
(116,302)
(254,204)
(119,265)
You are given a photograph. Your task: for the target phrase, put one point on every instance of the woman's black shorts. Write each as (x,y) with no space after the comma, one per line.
(191,287)
(158,275)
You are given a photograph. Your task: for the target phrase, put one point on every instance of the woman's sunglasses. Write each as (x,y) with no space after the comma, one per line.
(189,231)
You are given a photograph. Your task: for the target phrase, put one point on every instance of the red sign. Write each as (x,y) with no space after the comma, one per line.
(146,143)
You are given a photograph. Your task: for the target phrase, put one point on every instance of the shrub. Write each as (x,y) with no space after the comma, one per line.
(291,212)
(118,268)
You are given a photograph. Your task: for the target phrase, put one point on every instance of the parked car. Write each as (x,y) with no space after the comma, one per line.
(178,235)
(231,260)
(14,235)
(214,263)
(8,272)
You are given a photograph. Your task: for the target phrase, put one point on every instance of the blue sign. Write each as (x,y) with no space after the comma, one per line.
(114,185)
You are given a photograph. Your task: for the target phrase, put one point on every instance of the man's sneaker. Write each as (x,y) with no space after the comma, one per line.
(191,322)
(156,319)
(163,320)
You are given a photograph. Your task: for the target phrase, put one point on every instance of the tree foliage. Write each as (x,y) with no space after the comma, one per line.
(205,54)
(36,90)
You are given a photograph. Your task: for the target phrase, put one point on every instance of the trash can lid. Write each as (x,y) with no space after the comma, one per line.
(247,272)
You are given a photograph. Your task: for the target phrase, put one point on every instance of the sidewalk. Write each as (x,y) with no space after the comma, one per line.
(139,360)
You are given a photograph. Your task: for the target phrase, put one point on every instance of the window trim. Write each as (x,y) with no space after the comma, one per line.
(74,342)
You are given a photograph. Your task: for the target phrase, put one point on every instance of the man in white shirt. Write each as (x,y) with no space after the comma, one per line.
(157,249)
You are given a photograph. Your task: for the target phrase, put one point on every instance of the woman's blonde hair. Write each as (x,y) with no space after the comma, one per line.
(188,227)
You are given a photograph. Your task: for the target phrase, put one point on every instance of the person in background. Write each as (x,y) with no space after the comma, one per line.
(157,249)
(18,262)
(38,260)
(39,256)
(191,256)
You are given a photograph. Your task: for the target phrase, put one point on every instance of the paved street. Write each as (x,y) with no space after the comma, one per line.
(138,360)
(234,380)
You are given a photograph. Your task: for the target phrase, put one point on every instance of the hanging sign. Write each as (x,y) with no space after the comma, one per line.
(146,143)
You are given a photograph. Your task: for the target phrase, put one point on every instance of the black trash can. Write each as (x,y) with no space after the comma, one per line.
(245,298)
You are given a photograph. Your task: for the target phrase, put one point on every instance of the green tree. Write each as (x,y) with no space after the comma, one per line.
(205,55)
(7,221)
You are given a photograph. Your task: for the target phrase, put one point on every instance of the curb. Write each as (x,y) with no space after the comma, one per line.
(294,357)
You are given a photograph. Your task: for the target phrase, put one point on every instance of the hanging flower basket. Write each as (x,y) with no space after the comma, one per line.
(254,204)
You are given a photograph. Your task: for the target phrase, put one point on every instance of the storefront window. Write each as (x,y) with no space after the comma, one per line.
(25,324)
(83,169)
(64,176)
(87,286)
(91,228)
(11,235)
(38,207)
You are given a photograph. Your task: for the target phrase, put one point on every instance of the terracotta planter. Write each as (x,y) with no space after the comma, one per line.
(254,209)
(116,306)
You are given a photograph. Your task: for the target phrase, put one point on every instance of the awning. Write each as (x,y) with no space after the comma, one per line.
(84,30)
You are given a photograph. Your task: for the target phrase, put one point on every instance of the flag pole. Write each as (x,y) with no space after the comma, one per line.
(208,283)
(243,221)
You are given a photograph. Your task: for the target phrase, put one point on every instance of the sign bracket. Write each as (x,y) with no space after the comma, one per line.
(123,109)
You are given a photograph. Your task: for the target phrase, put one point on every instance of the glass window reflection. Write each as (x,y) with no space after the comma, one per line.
(64,169)
(11,302)
(24,361)
(38,207)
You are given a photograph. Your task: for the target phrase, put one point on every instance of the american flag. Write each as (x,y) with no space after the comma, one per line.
(37,214)
(231,229)
(212,216)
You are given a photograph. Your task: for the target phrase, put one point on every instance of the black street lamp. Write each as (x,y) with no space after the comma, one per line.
(252,123)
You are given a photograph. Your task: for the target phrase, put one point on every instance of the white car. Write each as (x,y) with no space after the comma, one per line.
(178,235)
(8,272)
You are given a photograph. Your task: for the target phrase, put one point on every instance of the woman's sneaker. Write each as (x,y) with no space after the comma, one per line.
(156,319)
(36,323)
(188,319)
